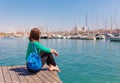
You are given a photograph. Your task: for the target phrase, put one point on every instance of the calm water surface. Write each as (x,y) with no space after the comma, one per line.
(80,61)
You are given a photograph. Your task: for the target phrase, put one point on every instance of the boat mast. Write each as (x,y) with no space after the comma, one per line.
(97,23)
(111,24)
(75,28)
(86,21)
(46,25)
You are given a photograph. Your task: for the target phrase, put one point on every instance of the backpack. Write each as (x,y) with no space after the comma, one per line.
(34,63)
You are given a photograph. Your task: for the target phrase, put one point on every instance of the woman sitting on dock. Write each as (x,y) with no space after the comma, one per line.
(44,52)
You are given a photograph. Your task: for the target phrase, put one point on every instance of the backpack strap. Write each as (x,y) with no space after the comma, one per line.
(34,49)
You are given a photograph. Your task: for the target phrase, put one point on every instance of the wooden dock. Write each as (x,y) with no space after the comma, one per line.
(19,74)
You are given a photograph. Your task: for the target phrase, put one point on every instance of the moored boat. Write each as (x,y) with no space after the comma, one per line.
(115,39)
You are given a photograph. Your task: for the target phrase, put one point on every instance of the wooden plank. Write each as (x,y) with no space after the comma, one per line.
(6,75)
(49,77)
(19,74)
(56,76)
(43,77)
(1,76)
(37,79)
(27,75)
(53,75)
(13,75)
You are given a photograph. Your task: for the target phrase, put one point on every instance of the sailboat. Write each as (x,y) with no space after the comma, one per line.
(115,38)
(87,36)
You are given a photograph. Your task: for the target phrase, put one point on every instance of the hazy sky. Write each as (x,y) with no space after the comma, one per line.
(56,14)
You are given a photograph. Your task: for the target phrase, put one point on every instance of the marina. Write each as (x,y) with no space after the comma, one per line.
(83,34)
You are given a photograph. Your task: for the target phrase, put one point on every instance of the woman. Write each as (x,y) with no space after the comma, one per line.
(44,52)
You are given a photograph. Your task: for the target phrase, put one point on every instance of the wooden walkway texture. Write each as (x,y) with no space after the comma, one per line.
(19,74)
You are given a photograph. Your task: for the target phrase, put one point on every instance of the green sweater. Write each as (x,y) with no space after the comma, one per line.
(39,48)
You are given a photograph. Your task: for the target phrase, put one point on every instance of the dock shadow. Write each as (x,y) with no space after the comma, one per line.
(24,72)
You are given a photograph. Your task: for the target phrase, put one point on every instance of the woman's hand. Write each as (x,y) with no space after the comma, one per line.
(54,52)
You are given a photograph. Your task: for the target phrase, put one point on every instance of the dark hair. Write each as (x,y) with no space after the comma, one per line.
(34,34)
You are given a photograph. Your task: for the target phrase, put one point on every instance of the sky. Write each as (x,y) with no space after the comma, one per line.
(57,14)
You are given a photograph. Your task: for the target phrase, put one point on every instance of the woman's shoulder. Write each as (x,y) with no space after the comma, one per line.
(36,42)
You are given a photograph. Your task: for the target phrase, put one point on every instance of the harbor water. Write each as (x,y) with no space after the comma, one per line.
(80,61)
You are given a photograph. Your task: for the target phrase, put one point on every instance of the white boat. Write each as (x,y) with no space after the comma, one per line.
(88,38)
(44,36)
(99,37)
(115,38)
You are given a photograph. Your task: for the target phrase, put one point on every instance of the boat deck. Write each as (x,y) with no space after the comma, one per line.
(19,74)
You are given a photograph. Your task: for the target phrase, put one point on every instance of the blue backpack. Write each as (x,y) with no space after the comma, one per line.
(34,60)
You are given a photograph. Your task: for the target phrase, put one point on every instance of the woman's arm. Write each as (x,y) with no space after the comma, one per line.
(54,52)
(45,49)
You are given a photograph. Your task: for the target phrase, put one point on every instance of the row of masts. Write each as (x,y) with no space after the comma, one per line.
(111,25)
